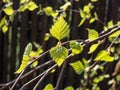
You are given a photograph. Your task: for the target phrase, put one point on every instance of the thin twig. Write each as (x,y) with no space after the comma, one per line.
(34,79)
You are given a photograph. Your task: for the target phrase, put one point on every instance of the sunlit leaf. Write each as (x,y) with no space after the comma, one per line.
(4,28)
(94,0)
(8,10)
(25,59)
(82,21)
(82,14)
(110,23)
(69,88)
(2,21)
(92,20)
(104,56)
(32,6)
(28,49)
(92,34)
(86,9)
(65,6)
(118,23)
(48,10)
(115,34)
(93,48)
(60,29)
(49,87)
(6,1)
(47,36)
(23,1)
(59,54)
(23,8)
(76,47)
(78,67)
(24,63)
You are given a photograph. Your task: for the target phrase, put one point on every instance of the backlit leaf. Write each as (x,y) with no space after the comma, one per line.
(93,48)
(60,29)
(65,6)
(104,56)
(49,87)
(115,34)
(76,47)
(59,54)
(48,10)
(78,67)
(82,14)
(8,10)
(4,28)
(92,20)
(32,6)
(92,34)
(2,21)
(94,0)
(69,88)
(110,23)
(25,59)
(82,21)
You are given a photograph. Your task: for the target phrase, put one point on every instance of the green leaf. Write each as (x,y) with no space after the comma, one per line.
(104,56)
(110,23)
(93,48)
(69,88)
(115,34)
(8,10)
(92,20)
(23,8)
(82,14)
(32,6)
(48,10)
(65,6)
(2,21)
(25,61)
(78,67)
(59,54)
(76,47)
(23,1)
(49,87)
(60,29)
(92,34)
(28,49)
(4,28)
(118,23)
(94,0)
(81,22)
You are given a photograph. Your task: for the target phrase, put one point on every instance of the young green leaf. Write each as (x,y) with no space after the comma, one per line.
(4,28)
(81,22)
(115,34)
(69,88)
(110,23)
(32,6)
(104,56)
(28,49)
(8,10)
(25,61)
(92,34)
(93,48)
(65,6)
(25,58)
(59,54)
(76,47)
(78,67)
(60,29)
(48,10)
(49,87)
(2,21)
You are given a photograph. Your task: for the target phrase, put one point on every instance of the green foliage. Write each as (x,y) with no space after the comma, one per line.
(65,6)
(93,48)
(8,10)
(76,47)
(49,87)
(28,49)
(69,88)
(104,56)
(60,29)
(92,34)
(59,54)
(50,12)
(78,67)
